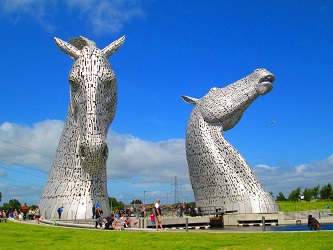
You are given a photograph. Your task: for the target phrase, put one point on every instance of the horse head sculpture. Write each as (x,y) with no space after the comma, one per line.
(93,91)
(78,174)
(220,176)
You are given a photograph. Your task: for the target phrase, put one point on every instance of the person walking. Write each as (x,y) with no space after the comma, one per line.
(99,218)
(158,213)
(37,214)
(60,209)
(25,209)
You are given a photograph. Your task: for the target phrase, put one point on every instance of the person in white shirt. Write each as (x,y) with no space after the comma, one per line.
(158,214)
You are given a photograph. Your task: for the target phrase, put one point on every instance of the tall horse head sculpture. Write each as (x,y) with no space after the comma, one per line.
(220,176)
(78,175)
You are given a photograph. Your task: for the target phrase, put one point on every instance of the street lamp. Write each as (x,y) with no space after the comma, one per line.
(144,197)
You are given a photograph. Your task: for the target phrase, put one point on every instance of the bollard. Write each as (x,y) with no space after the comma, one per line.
(186,221)
(263,224)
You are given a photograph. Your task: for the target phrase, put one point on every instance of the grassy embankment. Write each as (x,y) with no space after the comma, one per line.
(290,206)
(17,235)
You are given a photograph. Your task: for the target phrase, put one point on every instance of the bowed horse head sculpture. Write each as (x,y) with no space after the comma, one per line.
(78,175)
(220,176)
(93,91)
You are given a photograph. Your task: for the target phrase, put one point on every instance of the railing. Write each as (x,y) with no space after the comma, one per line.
(306,213)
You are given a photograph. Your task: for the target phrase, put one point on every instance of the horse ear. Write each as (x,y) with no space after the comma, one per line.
(67,48)
(189,100)
(113,47)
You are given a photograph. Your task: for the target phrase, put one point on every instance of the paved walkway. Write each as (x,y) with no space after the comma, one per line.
(82,225)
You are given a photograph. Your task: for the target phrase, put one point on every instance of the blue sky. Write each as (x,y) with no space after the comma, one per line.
(172,48)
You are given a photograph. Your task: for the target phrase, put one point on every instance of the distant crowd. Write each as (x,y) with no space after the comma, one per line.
(25,213)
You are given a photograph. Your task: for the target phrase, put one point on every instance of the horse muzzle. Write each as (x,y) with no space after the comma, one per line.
(93,157)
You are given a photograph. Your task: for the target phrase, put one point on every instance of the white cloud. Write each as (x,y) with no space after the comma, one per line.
(287,179)
(107,16)
(39,10)
(30,146)
(130,156)
(134,165)
(300,169)
(265,167)
(101,16)
(132,162)
(3,172)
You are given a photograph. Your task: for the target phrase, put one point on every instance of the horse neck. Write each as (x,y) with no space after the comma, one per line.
(69,139)
(199,131)
(209,136)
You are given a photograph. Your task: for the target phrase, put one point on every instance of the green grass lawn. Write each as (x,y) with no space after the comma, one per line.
(291,206)
(16,235)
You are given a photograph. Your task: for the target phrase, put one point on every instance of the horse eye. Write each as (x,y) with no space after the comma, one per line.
(74,85)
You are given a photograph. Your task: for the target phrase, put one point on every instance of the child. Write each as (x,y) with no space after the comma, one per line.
(20,216)
(115,224)
(153,219)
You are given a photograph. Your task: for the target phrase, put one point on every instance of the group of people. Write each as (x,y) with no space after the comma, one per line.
(189,211)
(21,214)
(119,220)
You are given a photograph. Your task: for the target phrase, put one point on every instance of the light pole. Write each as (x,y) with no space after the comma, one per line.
(167,198)
(144,197)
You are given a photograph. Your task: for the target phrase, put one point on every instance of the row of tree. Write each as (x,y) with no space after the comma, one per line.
(309,194)
(15,204)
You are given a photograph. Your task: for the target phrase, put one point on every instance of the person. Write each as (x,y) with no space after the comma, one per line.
(115,223)
(37,214)
(60,209)
(15,214)
(25,209)
(143,211)
(158,214)
(122,221)
(20,216)
(93,211)
(117,213)
(97,205)
(99,217)
(153,220)
(313,224)
(30,214)
(127,222)
(180,210)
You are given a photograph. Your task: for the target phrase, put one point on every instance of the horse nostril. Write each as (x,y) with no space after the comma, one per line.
(81,151)
(105,151)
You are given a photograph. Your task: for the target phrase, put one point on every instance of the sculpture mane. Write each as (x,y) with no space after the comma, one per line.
(220,176)
(78,174)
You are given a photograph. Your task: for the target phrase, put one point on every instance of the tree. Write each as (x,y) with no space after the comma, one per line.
(11,205)
(295,195)
(281,197)
(136,202)
(0,196)
(326,191)
(121,205)
(113,202)
(308,194)
(316,191)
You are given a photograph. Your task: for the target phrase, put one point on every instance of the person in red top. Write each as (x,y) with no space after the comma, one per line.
(153,219)
(25,209)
